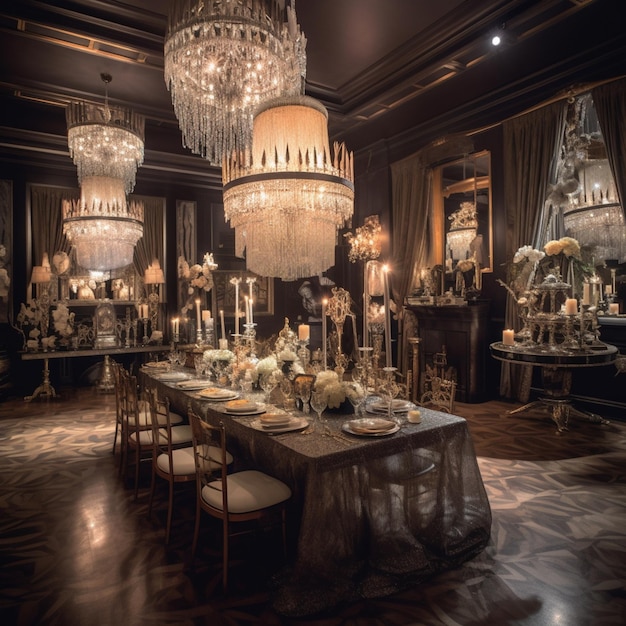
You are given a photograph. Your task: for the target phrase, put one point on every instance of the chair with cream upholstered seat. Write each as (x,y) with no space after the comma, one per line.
(172,453)
(137,428)
(238,497)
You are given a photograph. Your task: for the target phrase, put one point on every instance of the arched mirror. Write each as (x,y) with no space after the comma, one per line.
(462,210)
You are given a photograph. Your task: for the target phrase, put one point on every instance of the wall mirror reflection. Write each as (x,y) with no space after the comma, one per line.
(462,206)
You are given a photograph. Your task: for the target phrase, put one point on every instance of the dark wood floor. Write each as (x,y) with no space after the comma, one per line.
(77,549)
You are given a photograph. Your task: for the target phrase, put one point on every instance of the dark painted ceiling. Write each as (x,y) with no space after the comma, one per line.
(391,72)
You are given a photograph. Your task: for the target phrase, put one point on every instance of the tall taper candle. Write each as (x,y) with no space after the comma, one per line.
(198,315)
(324,333)
(236,308)
(251,313)
(387,316)
(247,306)
(366,299)
(222,323)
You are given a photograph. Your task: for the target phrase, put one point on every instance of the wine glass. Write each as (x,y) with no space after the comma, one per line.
(388,389)
(356,396)
(268,383)
(318,403)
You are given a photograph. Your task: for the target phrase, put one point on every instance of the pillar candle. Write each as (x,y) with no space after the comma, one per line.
(324,332)
(206,315)
(198,314)
(571,306)
(508,337)
(387,316)
(222,323)
(586,293)
(614,308)
(304,332)
(223,344)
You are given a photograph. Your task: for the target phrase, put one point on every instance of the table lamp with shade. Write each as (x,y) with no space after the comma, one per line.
(154,277)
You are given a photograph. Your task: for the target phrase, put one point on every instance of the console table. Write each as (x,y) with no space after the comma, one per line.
(556,374)
(46,390)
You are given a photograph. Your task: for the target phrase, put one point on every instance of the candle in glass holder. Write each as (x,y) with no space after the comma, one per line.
(571,306)
(508,337)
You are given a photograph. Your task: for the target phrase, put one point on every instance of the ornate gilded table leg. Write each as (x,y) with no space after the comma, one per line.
(45,389)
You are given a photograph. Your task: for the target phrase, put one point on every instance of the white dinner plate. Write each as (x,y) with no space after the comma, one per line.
(192,385)
(258,411)
(296,423)
(219,396)
(170,377)
(397,406)
(365,423)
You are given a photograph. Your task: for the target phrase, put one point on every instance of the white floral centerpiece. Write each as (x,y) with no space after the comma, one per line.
(335,391)
(212,356)
(265,367)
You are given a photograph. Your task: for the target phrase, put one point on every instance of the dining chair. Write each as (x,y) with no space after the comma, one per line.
(137,424)
(237,497)
(119,395)
(172,453)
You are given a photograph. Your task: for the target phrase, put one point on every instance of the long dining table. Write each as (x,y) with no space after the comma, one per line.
(371,515)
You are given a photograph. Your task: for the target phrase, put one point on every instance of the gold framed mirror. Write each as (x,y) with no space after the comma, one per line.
(462,213)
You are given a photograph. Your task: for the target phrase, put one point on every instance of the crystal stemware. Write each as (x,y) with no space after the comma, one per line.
(268,383)
(318,403)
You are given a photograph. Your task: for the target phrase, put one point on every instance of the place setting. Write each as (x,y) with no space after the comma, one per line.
(217,394)
(370,427)
(192,384)
(242,407)
(278,423)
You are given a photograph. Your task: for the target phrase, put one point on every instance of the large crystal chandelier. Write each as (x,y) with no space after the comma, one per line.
(106,144)
(287,197)
(222,59)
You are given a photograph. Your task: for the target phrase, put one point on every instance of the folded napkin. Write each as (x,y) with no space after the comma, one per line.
(241,406)
(371,426)
(194,382)
(216,392)
(275,419)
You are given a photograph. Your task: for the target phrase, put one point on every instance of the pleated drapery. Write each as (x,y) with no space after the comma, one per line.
(531,147)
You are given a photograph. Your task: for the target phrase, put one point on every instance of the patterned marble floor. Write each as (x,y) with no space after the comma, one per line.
(77,549)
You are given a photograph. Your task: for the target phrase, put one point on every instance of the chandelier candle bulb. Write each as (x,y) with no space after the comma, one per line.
(571,306)
(508,337)
(304,332)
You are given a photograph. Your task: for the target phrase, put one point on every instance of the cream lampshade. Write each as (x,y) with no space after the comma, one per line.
(154,274)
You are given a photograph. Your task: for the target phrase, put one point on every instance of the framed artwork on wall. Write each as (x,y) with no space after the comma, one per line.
(223,293)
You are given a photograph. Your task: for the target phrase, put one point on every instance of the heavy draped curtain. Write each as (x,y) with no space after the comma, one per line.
(610,104)
(411,188)
(531,147)
(47,221)
(151,245)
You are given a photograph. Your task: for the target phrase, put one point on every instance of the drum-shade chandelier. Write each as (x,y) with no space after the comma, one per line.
(106,144)
(287,197)
(222,59)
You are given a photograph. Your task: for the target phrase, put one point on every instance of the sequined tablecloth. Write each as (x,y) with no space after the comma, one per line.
(371,515)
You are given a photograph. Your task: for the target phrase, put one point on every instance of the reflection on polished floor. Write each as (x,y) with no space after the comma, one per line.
(77,549)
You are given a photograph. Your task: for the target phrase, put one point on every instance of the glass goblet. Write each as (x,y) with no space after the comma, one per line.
(268,383)
(318,403)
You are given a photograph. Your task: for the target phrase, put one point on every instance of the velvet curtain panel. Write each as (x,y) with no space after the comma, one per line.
(531,144)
